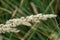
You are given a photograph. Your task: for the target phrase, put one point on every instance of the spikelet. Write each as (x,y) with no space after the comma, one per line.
(7,28)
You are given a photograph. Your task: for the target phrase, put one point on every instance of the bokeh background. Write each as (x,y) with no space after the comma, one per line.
(44,30)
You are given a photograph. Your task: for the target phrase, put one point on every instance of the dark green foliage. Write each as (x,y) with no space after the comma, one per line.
(41,30)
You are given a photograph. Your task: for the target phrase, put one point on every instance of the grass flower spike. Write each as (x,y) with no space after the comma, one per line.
(12,23)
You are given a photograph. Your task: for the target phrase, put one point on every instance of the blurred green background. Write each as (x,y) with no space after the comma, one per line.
(44,30)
